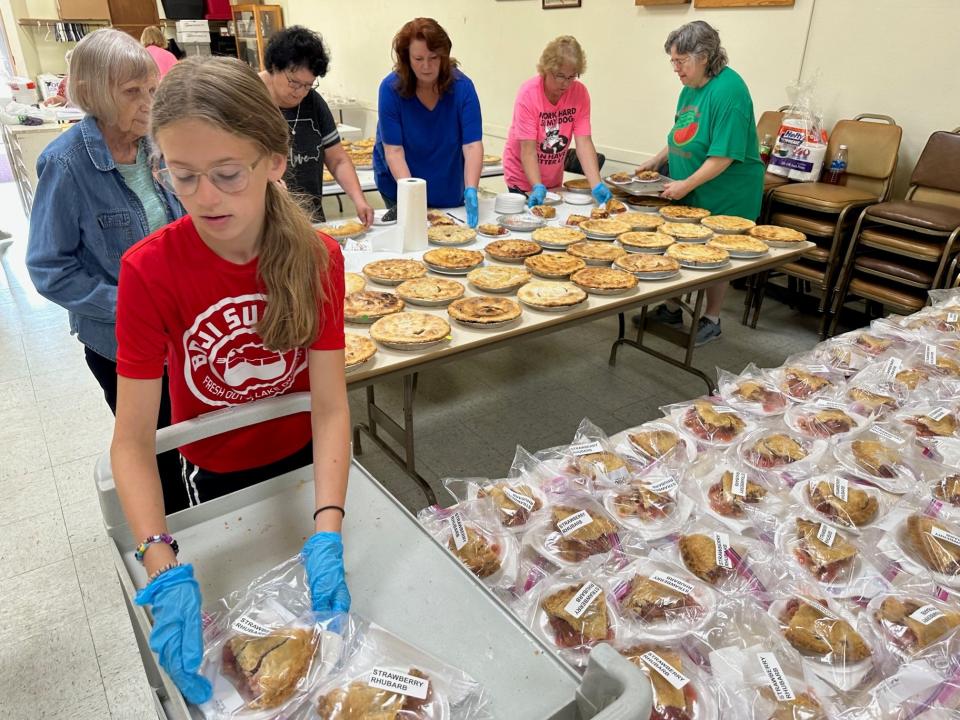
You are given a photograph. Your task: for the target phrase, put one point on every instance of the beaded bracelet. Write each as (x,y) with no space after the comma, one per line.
(161,570)
(154,539)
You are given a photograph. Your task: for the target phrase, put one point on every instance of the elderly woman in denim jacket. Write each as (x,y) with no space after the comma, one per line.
(96,197)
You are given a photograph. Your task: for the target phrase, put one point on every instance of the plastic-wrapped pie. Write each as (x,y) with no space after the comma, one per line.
(266,670)
(871,402)
(479,554)
(664,668)
(360,701)
(801,384)
(803,707)
(876,458)
(654,443)
(825,423)
(775,450)
(948,489)
(873,344)
(754,391)
(650,601)
(825,562)
(936,423)
(699,553)
(591,536)
(601,465)
(812,631)
(514,503)
(859,507)
(914,624)
(570,629)
(734,490)
(707,422)
(936,545)
(911,378)
(642,501)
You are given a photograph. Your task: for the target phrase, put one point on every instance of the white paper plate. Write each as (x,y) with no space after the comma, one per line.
(501,236)
(575,198)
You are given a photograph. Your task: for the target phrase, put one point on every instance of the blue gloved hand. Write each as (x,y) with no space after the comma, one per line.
(601,193)
(537,195)
(322,556)
(472,204)
(177,636)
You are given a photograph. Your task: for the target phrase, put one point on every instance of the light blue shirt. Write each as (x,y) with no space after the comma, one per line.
(139,179)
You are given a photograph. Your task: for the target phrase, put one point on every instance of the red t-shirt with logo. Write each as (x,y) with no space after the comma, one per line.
(179,302)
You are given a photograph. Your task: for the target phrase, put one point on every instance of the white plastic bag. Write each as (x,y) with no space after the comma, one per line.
(801,145)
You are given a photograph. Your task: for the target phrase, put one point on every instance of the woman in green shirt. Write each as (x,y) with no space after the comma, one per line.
(712,149)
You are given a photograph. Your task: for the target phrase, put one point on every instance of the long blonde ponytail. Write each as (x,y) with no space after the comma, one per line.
(291,258)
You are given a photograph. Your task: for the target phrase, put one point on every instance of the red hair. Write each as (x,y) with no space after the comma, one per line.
(429,31)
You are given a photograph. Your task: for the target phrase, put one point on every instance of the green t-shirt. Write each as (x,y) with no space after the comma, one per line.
(716,120)
(139,178)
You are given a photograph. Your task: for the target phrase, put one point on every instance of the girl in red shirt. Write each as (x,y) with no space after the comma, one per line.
(242,300)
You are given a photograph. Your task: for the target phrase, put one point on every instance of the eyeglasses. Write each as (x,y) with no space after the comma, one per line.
(297,86)
(680,61)
(561,78)
(229,178)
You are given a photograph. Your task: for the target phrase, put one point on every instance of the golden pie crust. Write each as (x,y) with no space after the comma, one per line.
(860,508)
(491,159)
(938,554)
(368,305)
(451,235)
(872,401)
(621,177)
(575,220)
(697,254)
(353,282)
(590,628)
(267,670)
(453,258)
(492,229)
(395,271)
(604,279)
(738,243)
(908,632)
(481,556)
(824,562)
(511,513)
(641,264)
(686,231)
(553,265)
(812,632)
(776,233)
(699,555)
(654,444)
(557,235)
(646,175)
(641,220)
(646,240)
(596,251)
(484,310)
(512,250)
(544,211)
(605,227)
(876,458)
(599,214)
(578,184)
(776,450)
(615,207)
(926,426)
(727,223)
(541,293)
(430,289)
(358,349)
(410,328)
(683,212)
(344,230)
(440,219)
(497,278)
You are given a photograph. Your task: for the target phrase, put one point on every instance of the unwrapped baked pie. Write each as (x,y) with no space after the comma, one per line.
(550,295)
(706,422)
(512,250)
(496,278)
(599,214)
(683,212)
(813,632)
(353,282)
(480,555)
(544,211)
(738,244)
(590,539)
(730,503)
(577,184)
(824,562)
(575,220)
(515,503)
(596,252)
(896,616)
(491,159)
(775,450)
(669,701)
(357,350)
(266,670)
(935,544)
(492,229)
(368,305)
(430,290)
(642,264)
(604,280)
(644,240)
(621,177)
(694,255)
(557,236)
(551,265)
(451,235)
(569,631)
(646,175)
(360,701)
(859,509)
(727,223)
(453,258)
(411,329)
(649,600)
(344,230)
(615,207)
(484,311)
(395,271)
(776,233)
(605,227)
(801,384)
(439,219)
(641,220)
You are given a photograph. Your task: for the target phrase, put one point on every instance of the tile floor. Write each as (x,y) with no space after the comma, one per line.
(67,650)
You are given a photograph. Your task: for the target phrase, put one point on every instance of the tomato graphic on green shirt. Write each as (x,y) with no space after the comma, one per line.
(686,126)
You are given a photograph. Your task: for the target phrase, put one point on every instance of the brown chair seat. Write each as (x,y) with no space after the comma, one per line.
(817,254)
(771,181)
(812,273)
(808,225)
(910,246)
(887,294)
(821,196)
(928,216)
(894,270)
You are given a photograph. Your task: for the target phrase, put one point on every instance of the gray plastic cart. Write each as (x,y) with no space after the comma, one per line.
(399,576)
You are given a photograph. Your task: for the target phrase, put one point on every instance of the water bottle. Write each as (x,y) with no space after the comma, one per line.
(836,174)
(765,148)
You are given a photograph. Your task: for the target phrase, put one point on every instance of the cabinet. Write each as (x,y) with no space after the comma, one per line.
(24,144)
(254,26)
(132,16)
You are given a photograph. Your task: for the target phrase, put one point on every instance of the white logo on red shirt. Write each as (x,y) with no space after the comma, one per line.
(225,360)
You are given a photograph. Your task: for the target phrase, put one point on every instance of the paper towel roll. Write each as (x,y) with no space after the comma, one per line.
(412,213)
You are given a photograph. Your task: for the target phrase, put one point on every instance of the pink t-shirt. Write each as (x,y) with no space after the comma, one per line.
(163,58)
(552,126)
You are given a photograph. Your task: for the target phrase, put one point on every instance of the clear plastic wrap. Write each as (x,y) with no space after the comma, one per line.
(709,424)
(387,677)
(592,456)
(880,456)
(874,342)
(681,689)
(781,455)
(843,502)
(842,356)
(930,546)
(752,391)
(873,396)
(930,419)
(740,497)
(657,446)
(912,622)
(801,381)
(517,501)
(824,418)
(652,506)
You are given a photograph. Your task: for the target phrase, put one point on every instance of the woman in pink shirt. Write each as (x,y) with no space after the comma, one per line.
(153,40)
(552,110)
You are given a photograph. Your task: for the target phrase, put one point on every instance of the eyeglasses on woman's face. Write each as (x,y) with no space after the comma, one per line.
(679,61)
(299,85)
(230,178)
(561,78)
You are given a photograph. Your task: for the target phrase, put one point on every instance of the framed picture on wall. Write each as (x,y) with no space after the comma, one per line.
(556,4)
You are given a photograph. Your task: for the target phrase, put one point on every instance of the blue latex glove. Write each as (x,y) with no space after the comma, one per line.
(322,556)
(601,193)
(472,205)
(537,195)
(177,636)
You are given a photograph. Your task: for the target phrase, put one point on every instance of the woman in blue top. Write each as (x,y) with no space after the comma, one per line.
(430,124)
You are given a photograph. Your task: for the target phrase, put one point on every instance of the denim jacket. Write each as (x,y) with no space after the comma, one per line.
(84,218)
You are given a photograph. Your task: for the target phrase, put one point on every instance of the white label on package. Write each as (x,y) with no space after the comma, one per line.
(885,434)
(721,542)
(830,404)
(619,475)
(892,367)
(775,677)
(938,414)
(944,535)
(926,614)
(459,531)
(738,485)
(930,354)
(666,485)
(583,599)
(399,682)
(574,522)
(519,499)
(826,535)
(840,487)
(667,670)
(723,409)
(952,317)
(586,448)
(672,582)
(818,369)
(246,626)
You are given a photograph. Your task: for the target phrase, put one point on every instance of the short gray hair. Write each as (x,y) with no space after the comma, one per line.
(699,38)
(102,62)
